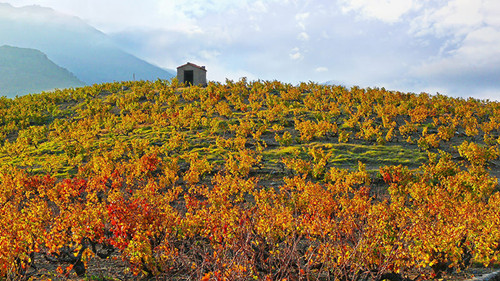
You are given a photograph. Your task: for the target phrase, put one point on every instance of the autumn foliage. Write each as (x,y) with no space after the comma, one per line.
(198,183)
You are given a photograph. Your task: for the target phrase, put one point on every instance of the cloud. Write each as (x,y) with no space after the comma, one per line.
(473,66)
(301,18)
(281,49)
(258,7)
(119,15)
(461,36)
(480,46)
(209,54)
(455,17)
(303,36)
(478,49)
(385,10)
(295,54)
(468,61)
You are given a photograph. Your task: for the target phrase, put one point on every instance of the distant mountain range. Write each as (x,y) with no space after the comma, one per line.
(337,83)
(25,71)
(73,44)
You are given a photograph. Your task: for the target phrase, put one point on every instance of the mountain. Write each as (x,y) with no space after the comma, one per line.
(336,83)
(24,71)
(73,44)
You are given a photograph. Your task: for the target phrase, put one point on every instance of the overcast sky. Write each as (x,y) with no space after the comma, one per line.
(451,47)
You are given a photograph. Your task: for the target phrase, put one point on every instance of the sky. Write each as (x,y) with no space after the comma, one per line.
(451,47)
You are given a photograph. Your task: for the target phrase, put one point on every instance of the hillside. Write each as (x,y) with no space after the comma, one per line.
(247,180)
(24,71)
(73,44)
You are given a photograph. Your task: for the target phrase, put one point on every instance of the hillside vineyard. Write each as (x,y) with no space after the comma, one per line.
(247,180)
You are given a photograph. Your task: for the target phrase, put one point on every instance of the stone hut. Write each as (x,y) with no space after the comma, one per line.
(192,74)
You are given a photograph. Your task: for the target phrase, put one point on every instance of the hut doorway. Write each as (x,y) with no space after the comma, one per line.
(189,77)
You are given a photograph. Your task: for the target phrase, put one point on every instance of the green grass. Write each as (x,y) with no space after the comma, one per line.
(348,155)
(376,154)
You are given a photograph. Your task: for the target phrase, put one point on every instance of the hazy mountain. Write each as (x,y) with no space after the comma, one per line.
(336,83)
(24,71)
(73,44)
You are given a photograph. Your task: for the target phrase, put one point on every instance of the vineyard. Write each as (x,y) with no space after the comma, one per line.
(243,180)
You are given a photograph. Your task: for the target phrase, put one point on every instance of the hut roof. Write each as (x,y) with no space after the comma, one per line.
(194,65)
